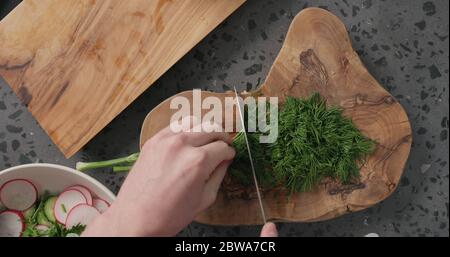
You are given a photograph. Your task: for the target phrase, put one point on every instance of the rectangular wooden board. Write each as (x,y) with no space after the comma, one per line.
(76,64)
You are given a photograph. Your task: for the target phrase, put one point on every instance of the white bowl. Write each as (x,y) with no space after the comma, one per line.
(55,178)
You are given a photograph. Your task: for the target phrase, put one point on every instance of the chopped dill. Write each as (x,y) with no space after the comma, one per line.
(314,142)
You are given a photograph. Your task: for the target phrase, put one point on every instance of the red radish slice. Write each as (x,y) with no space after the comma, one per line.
(65,202)
(100,204)
(81,214)
(41,227)
(11,224)
(18,194)
(86,192)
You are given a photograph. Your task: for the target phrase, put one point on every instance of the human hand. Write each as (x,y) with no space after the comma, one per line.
(176,176)
(269,230)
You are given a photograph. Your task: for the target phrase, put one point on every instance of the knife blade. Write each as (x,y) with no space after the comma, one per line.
(241,115)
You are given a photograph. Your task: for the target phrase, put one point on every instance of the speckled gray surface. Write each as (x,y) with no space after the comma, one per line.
(403,43)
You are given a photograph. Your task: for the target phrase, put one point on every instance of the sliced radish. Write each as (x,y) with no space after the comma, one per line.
(86,192)
(11,224)
(81,214)
(18,194)
(100,204)
(42,228)
(65,202)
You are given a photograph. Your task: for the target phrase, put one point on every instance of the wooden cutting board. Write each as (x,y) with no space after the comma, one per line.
(76,64)
(317,56)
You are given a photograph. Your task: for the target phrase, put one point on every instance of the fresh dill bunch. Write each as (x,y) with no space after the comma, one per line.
(316,141)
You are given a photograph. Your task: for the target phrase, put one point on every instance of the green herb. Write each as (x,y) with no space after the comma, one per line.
(40,207)
(314,142)
(63,208)
(56,230)
(77,229)
(30,231)
(38,218)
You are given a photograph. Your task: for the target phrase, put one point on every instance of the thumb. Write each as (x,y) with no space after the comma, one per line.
(269,230)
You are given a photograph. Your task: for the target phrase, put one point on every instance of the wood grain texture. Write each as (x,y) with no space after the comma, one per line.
(317,56)
(76,64)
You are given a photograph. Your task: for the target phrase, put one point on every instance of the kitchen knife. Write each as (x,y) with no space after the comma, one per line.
(241,115)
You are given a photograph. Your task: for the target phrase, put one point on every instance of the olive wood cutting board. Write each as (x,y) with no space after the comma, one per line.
(317,56)
(76,64)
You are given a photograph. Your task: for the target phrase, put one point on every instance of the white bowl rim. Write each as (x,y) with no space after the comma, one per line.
(66,169)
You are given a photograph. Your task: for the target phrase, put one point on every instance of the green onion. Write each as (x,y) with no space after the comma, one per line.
(128,160)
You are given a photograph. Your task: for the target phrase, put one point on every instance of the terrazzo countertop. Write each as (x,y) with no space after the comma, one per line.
(403,43)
